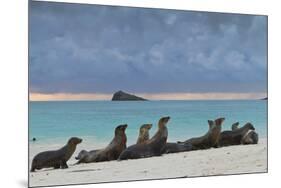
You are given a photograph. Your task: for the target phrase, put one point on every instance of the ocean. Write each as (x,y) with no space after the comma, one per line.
(94,121)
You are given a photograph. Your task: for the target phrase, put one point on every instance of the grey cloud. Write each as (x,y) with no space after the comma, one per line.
(86,48)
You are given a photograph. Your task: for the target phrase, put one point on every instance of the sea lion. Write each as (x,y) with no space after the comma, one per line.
(111,152)
(210,139)
(236,136)
(84,154)
(57,158)
(251,137)
(144,133)
(177,147)
(152,147)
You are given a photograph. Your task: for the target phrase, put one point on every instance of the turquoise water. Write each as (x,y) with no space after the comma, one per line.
(57,121)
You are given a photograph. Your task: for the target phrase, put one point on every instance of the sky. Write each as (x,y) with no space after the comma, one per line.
(81,52)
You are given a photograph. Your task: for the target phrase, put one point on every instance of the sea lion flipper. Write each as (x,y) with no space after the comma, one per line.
(235,126)
(56,166)
(64,165)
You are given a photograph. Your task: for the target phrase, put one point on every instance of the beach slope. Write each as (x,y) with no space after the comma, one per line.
(216,161)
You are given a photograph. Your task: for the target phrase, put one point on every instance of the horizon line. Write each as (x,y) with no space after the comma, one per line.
(36,96)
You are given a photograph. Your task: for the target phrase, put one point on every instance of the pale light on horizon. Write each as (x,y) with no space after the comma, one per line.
(149,96)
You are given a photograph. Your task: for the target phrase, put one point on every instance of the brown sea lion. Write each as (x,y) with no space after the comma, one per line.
(57,158)
(112,151)
(251,137)
(152,147)
(210,139)
(234,137)
(144,133)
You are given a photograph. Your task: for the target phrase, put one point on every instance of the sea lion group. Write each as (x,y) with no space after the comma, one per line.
(145,146)
(236,136)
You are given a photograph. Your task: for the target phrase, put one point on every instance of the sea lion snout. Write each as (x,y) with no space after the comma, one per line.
(124,126)
(79,140)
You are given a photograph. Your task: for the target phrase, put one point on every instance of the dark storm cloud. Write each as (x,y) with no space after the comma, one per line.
(86,48)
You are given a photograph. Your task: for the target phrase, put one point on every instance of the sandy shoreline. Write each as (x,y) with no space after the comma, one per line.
(216,161)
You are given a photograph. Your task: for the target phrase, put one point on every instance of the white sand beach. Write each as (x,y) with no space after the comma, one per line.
(215,161)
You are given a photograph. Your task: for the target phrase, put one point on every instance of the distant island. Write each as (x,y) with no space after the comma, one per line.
(122,96)
(264,98)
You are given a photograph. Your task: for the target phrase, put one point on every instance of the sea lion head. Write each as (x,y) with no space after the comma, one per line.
(144,133)
(249,126)
(216,124)
(215,130)
(121,128)
(145,127)
(219,121)
(74,141)
(235,126)
(120,135)
(81,154)
(163,121)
